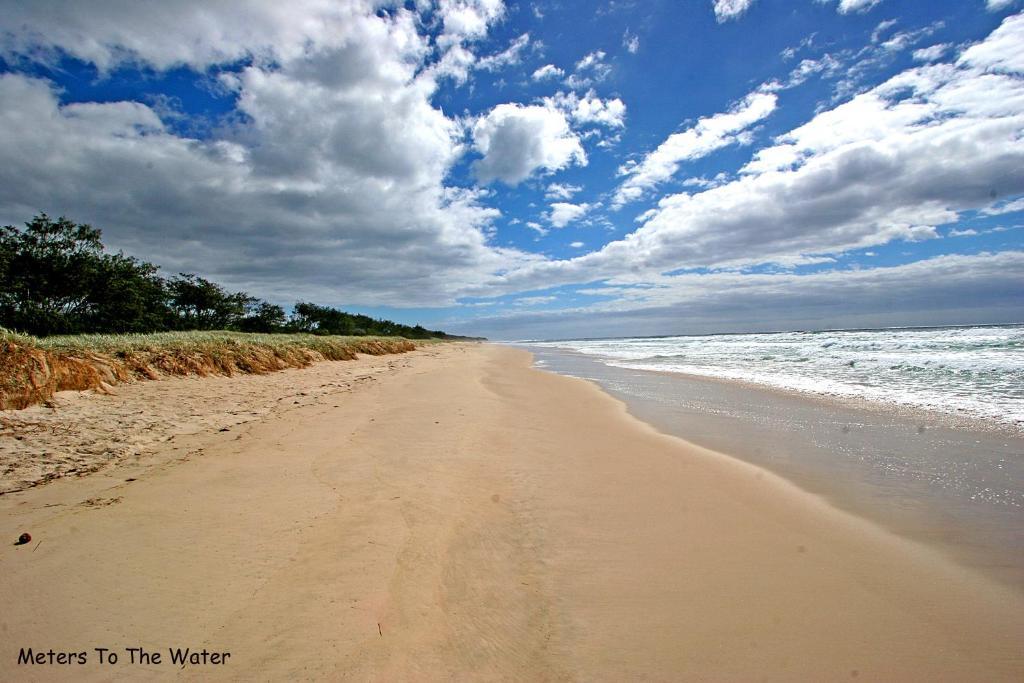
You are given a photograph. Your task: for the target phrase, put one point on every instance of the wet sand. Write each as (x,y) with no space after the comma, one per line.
(463,515)
(952,483)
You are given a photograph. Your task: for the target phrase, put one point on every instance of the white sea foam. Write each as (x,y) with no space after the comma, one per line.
(972,371)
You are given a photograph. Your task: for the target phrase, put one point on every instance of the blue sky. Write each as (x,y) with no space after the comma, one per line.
(544,169)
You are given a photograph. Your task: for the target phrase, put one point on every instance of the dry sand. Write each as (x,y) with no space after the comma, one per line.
(461,515)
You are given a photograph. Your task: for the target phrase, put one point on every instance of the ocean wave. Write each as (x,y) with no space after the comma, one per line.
(973,370)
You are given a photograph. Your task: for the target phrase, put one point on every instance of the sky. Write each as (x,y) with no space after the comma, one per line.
(539,170)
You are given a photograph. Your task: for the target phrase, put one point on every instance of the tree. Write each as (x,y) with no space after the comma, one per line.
(307,317)
(204,305)
(55,278)
(263,317)
(129,297)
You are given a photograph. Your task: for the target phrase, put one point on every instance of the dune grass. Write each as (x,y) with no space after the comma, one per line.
(32,369)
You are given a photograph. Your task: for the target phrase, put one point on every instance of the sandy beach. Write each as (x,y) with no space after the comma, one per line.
(451,513)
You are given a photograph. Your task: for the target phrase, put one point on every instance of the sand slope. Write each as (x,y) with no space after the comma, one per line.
(464,516)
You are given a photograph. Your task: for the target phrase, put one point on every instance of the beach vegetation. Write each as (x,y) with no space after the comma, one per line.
(57,278)
(32,369)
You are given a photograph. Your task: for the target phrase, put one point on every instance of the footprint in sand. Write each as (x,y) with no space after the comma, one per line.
(100,502)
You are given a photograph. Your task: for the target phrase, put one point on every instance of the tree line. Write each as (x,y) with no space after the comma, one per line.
(56,277)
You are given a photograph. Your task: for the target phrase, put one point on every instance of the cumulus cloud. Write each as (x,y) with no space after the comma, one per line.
(890,164)
(849,6)
(335,170)
(592,60)
(931,53)
(996,5)
(561,191)
(466,20)
(564,213)
(893,163)
(730,9)
(546,72)
(590,69)
(1001,51)
(176,32)
(590,108)
(707,135)
(517,140)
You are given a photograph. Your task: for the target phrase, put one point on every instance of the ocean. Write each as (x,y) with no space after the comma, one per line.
(973,372)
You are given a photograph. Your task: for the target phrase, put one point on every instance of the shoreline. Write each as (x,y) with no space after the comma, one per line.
(464,514)
(923,478)
(906,411)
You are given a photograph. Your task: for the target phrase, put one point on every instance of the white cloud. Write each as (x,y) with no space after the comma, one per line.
(590,108)
(589,70)
(184,32)
(537,228)
(564,213)
(1005,207)
(507,57)
(893,163)
(534,300)
(456,62)
(792,51)
(882,27)
(576,245)
(548,71)
(903,39)
(996,5)
(1001,51)
(968,232)
(931,53)
(467,20)
(827,65)
(561,191)
(941,290)
(335,172)
(463,22)
(848,6)
(864,65)
(730,9)
(517,140)
(591,60)
(631,42)
(707,135)
(870,171)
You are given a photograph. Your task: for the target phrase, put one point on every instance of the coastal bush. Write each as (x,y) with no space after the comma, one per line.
(56,278)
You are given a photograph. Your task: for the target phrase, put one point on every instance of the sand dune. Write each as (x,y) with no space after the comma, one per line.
(457,514)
